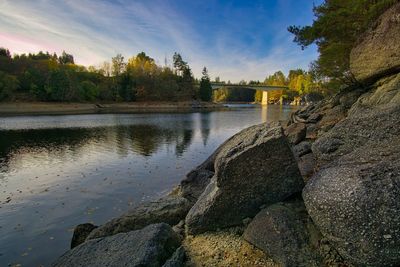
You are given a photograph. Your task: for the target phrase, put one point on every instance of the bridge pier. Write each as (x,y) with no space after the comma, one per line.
(264,100)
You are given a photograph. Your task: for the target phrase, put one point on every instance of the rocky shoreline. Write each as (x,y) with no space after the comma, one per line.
(320,190)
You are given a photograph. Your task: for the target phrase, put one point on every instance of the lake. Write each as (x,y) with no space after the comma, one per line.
(60,171)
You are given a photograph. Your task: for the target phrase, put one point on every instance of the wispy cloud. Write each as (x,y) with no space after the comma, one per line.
(246,42)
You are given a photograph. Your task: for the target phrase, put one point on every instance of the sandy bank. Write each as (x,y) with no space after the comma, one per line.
(45,108)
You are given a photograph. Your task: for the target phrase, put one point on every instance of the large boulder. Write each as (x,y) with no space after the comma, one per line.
(168,210)
(355,202)
(377,52)
(151,246)
(255,167)
(286,233)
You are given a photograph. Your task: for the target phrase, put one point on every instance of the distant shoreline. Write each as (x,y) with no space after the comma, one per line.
(54,108)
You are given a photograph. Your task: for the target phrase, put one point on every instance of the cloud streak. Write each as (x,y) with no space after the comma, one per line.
(235,41)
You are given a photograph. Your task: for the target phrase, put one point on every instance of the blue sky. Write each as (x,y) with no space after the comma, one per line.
(235,39)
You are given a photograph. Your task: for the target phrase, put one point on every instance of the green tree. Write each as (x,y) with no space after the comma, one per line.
(88,91)
(8,85)
(337,26)
(127,87)
(205,86)
(60,86)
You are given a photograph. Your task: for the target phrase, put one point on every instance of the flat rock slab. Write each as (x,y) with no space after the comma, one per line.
(255,167)
(168,210)
(286,233)
(378,50)
(151,246)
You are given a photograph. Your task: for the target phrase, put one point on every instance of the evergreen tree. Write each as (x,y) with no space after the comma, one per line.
(179,64)
(205,86)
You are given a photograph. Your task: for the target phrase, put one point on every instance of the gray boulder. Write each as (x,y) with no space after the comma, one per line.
(355,202)
(151,246)
(377,52)
(306,166)
(296,132)
(302,148)
(168,210)
(286,233)
(255,167)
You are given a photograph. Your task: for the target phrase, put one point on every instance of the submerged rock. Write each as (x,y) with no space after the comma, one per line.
(168,210)
(150,246)
(81,232)
(377,52)
(255,167)
(286,233)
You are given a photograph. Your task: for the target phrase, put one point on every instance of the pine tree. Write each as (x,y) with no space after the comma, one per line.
(205,86)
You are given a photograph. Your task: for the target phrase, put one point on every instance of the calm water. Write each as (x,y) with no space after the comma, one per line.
(59,171)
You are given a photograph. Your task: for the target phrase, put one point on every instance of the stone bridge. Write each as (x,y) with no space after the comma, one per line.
(264,88)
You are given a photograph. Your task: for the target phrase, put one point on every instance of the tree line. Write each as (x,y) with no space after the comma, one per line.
(48,77)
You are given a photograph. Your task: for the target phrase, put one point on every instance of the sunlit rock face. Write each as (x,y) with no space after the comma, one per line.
(377,52)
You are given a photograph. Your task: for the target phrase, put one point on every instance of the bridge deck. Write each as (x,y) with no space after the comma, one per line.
(254,87)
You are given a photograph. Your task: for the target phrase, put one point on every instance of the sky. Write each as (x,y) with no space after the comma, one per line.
(235,39)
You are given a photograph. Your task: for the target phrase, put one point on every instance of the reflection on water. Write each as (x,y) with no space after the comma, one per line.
(59,171)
